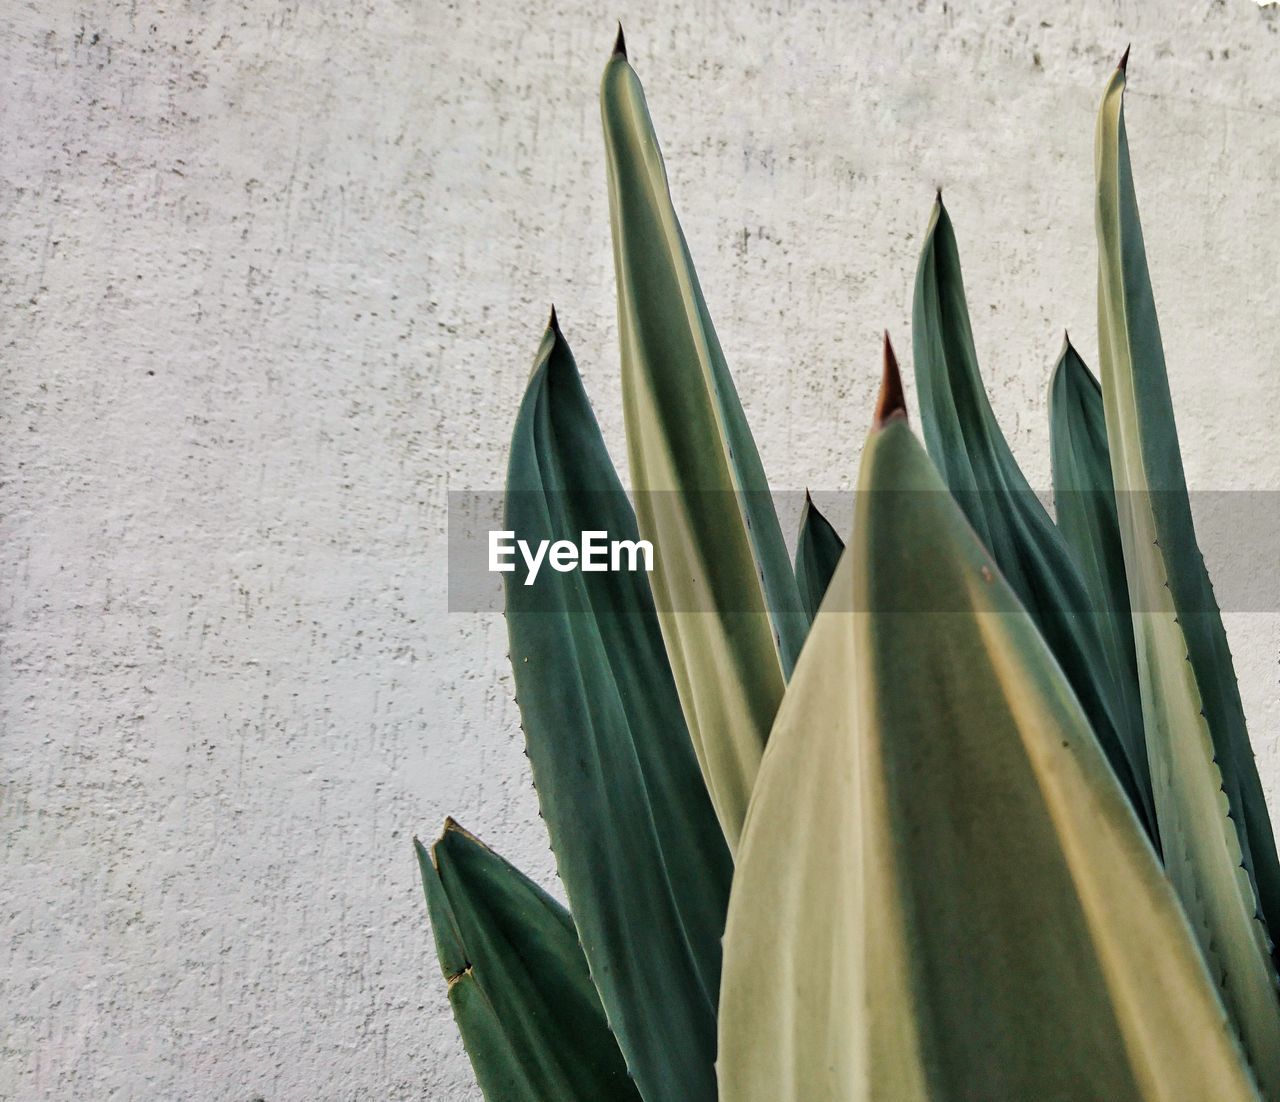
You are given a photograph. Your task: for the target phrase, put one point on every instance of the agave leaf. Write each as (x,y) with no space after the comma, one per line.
(974,458)
(635,836)
(726,595)
(1085,501)
(529,1015)
(817,551)
(942,892)
(1219,847)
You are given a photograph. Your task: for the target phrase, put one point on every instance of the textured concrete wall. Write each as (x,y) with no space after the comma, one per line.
(272,275)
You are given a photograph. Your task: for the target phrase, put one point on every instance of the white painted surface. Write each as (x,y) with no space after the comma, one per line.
(272,275)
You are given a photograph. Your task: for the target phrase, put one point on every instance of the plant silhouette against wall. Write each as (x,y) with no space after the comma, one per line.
(970,802)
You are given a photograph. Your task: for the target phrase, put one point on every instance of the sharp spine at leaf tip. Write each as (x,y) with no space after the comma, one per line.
(891,405)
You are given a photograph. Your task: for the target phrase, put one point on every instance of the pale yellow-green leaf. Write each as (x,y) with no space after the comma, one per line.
(942,893)
(1212,821)
(726,595)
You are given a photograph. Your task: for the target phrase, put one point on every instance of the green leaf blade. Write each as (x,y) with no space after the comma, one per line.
(1219,846)
(726,595)
(942,891)
(636,838)
(975,460)
(1085,502)
(521,994)
(818,550)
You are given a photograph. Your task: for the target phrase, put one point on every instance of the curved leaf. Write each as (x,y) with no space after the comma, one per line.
(635,836)
(726,595)
(965,441)
(1219,847)
(942,892)
(518,984)
(818,549)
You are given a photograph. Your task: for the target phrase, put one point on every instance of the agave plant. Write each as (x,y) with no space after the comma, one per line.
(970,801)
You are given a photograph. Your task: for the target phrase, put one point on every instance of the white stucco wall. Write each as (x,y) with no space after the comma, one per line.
(272,274)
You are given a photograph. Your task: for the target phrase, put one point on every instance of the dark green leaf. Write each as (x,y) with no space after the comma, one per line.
(635,835)
(818,549)
(529,1014)
(975,460)
(1085,502)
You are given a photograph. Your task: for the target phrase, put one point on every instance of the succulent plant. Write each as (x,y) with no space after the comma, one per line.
(971,800)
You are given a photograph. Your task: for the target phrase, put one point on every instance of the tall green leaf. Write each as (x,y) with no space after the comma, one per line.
(818,549)
(1085,503)
(726,596)
(942,892)
(1219,846)
(635,836)
(518,984)
(966,442)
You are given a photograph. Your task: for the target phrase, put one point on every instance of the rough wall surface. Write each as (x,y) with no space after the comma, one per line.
(272,274)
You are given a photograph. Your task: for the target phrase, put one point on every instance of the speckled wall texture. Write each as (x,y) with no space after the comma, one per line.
(272,277)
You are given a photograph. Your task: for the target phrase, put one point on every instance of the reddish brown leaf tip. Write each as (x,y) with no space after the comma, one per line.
(891,405)
(1124,60)
(620,43)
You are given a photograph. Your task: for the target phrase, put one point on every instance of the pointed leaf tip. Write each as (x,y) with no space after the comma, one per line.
(620,43)
(553,323)
(452,826)
(1124,60)
(891,405)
